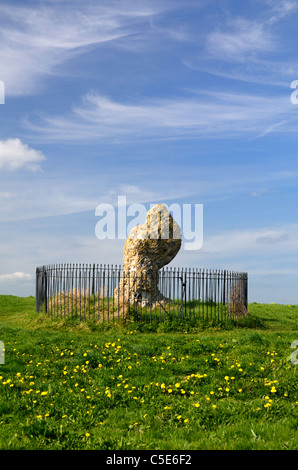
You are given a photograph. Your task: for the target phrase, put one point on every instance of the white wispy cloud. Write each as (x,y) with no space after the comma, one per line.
(29,202)
(280,9)
(252,50)
(14,154)
(205,114)
(35,40)
(255,70)
(241,39)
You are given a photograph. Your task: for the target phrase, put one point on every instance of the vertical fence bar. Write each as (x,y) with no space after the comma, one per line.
(203,293)
(98,291)
(218,296)
(50,289)
(170,279)
(79,288)
(103,291)
(118,297)
(54,280)
(207,293)
(59,294)
(108,291)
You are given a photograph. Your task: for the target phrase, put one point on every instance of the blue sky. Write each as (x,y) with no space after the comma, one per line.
(168,101)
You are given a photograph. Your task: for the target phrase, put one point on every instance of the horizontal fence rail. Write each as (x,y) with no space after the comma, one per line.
(91,291)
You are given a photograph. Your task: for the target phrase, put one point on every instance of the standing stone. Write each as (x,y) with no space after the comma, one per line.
(147,249)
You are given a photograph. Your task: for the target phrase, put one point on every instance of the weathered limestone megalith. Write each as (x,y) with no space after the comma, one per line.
(147,249)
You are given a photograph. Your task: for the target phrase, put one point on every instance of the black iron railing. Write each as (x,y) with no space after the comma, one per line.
(89,291)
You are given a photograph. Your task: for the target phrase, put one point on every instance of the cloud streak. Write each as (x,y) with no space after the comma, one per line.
(242,39)
(35,41)
(206,114)
(248,49)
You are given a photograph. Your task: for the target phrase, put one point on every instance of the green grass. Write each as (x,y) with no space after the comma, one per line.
(69,384)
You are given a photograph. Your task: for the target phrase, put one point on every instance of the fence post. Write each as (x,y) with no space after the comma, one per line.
(224,288)
(41,288)
(245,290)
(93,280)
